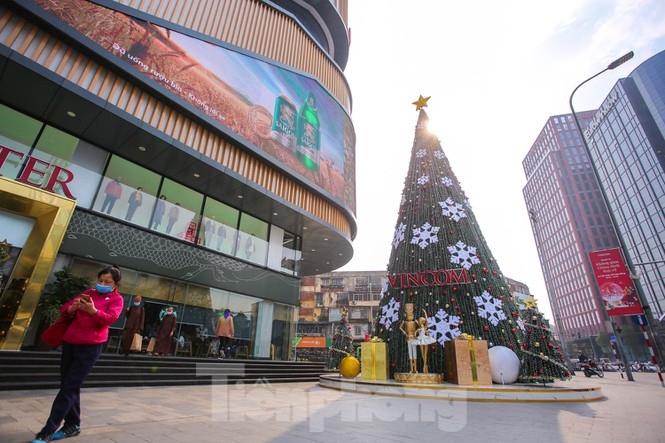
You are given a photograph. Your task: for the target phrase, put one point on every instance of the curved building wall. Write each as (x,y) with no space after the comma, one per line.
(94,115)
(257,27)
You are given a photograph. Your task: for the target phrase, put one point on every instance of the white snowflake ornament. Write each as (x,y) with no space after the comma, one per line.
(421,153)
(489,308)
(443,326)
(463,255)
(389,313)
(425,235)
(447,182)
(453,210)
(423,179)
(399,235)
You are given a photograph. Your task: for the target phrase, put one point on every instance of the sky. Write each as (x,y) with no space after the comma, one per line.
(495,71)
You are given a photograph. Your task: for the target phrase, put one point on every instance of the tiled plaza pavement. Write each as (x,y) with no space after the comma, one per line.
(306,412)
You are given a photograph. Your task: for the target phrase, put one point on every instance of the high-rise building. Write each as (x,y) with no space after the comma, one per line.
(161,135)
(627,143)
(569,220)
(626,137)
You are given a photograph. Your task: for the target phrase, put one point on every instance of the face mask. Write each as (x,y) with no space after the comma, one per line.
(102,289)
(137,303)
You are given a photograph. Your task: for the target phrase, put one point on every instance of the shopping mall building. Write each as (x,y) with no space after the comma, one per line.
(205,147)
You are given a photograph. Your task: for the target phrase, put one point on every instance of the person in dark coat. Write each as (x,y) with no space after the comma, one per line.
(165,333)
(134,325)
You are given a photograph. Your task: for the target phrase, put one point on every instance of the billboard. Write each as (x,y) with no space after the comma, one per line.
(285,114)
(616,287)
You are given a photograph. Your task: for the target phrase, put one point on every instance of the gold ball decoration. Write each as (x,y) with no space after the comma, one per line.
(349,367)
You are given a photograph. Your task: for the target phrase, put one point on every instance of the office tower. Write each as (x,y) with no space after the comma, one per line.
(627,142)
(569,220)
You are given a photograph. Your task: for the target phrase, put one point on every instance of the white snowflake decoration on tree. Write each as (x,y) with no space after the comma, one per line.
(384,287)
(447,182)
(402,200)
(439,154)
(425,235)
(390,313)
(489,308)
(452,209)
(444,327)
(463,255)
(421,125)
(423,179)
(421,153)
(399,235)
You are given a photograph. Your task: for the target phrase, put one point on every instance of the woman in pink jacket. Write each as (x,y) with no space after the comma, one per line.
(92,312)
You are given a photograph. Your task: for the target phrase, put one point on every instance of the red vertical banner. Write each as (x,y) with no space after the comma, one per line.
(615,285)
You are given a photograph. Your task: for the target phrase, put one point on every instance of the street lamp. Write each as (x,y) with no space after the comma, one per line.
(616,63)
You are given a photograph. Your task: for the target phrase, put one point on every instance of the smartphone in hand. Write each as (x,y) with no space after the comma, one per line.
(86,297)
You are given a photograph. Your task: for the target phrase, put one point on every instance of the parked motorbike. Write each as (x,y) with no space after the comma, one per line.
(591,368)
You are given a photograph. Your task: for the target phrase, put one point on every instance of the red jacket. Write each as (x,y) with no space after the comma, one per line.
(86,329)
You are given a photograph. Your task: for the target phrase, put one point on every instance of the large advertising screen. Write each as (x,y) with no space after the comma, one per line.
(287,115)
(615,285)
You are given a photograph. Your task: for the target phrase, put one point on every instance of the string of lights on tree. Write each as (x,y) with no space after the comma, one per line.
(442,264)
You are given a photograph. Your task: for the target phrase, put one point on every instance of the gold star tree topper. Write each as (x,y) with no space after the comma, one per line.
(421,102)
(531,303)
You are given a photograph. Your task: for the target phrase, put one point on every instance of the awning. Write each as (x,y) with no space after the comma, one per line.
(310,342)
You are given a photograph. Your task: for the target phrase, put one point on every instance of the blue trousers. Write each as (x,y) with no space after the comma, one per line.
(75,365)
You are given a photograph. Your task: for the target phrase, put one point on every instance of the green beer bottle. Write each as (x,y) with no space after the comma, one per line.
(308,138)
(284,123)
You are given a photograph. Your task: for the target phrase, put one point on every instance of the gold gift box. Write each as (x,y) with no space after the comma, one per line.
(374,359)
(460,362)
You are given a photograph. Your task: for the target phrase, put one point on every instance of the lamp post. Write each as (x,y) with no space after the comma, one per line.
(616,63)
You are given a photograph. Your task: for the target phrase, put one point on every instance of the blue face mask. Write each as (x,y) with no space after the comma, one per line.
(102,289)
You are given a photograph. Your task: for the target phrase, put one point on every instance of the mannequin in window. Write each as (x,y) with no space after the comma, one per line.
(160,209)
(250,246)
(174,214)
(221,235)
(209,231)
(113,192)
(135,200)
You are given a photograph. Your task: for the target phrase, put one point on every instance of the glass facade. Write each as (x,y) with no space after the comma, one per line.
(627,143)
(144,205)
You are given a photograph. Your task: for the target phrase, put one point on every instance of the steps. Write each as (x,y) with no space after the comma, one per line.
(41,370)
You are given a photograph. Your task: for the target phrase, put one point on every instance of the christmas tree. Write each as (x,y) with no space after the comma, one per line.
(441,264)
(342,343)
(542,359)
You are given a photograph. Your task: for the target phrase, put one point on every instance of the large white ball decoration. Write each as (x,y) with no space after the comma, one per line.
(504,365)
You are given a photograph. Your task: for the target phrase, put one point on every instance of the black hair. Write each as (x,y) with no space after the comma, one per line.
(114,270)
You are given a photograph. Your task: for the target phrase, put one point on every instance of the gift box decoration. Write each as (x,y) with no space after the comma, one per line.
(467,362)
(374,359)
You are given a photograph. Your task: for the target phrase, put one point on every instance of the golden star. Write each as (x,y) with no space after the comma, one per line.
(421,102)
(531,303)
